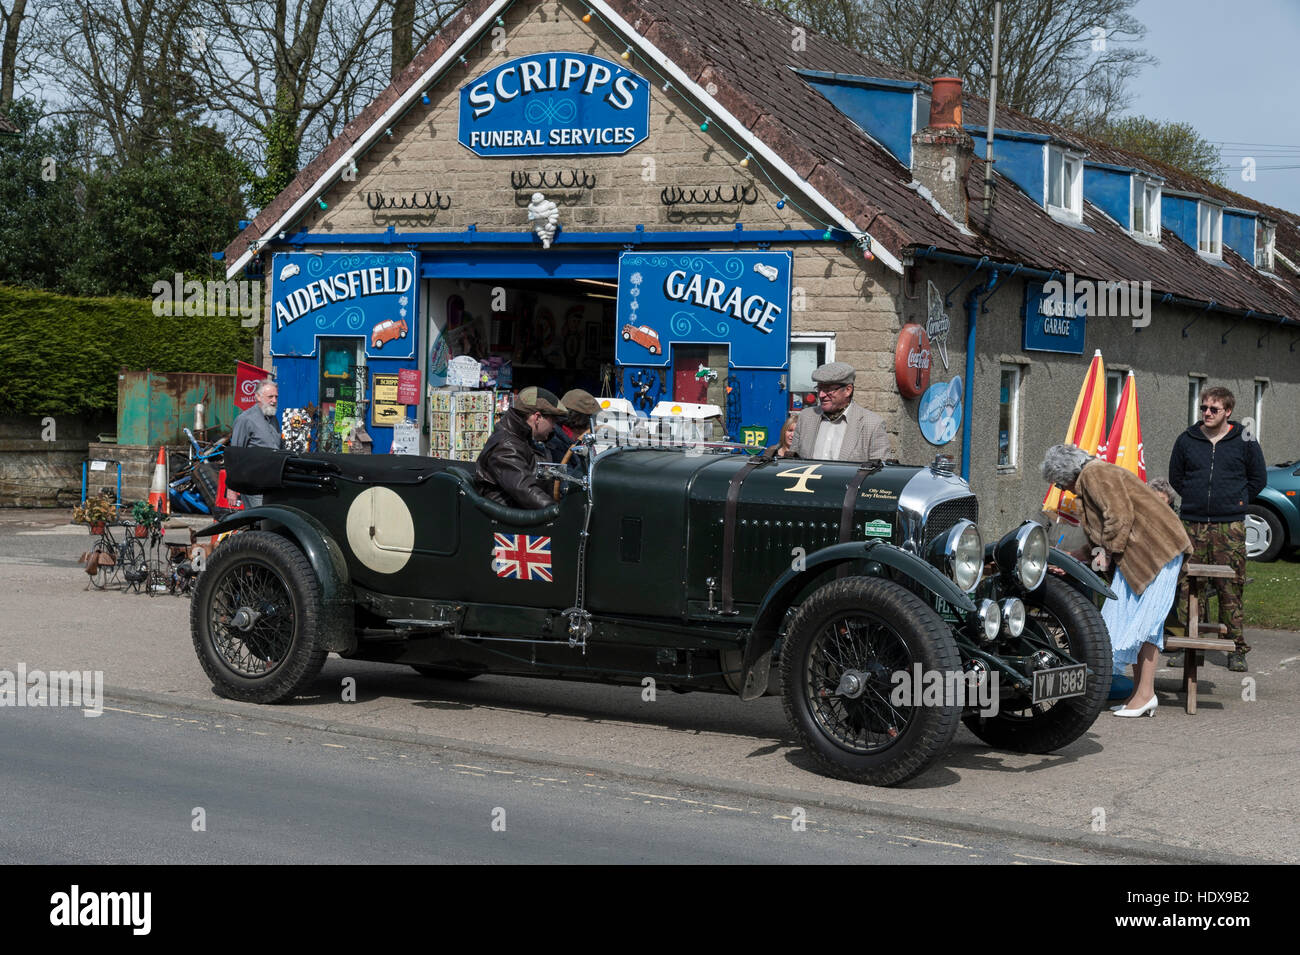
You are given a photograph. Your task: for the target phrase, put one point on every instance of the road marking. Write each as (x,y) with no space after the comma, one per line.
(1045,859)
(152,716)
(933,842)
(334,745)
(69,529)
(653,796)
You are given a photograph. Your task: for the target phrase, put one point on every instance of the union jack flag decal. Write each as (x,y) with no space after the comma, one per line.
(521,557)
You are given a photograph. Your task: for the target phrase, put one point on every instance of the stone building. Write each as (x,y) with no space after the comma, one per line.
(733,201)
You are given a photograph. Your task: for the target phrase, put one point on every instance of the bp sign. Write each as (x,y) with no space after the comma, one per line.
(555,104)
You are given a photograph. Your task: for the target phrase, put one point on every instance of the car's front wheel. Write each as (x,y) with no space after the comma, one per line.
(850,648)
(1265,535)
(257,617)
(1067,620)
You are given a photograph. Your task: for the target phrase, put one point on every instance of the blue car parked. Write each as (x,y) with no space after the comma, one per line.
(1273,524)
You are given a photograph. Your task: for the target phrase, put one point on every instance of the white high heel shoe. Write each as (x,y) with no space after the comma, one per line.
(1148,709)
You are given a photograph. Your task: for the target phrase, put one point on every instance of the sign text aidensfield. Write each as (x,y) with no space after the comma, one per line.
(555,104)
(366,294)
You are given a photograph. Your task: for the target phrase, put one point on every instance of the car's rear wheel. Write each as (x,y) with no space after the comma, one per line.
(257,617)
(1070,621)
(838,665)
(1265,535)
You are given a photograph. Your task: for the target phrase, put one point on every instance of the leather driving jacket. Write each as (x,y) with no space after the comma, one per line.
(505,471)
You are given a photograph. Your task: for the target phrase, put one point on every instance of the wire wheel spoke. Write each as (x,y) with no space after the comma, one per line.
(868,722)
(253,620)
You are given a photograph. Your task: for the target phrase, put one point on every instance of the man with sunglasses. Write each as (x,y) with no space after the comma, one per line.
(1217,469)
(836,429)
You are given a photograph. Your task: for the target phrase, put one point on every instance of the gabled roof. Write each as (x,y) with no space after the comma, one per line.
(744,52)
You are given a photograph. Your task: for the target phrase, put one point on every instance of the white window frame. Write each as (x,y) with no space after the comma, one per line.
(1013,436)
(816,338)
(1145,194)
(1195,385)
(1261,388)
(1265,246)
(1209,218)
(1115,379)
(1071,183)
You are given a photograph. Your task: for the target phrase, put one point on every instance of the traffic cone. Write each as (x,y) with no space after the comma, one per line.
(158,489)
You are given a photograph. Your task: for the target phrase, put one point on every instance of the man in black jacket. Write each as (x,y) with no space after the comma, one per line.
(1217,469)
(506,464)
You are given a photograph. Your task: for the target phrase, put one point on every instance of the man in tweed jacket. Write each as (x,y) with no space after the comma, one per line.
(836,429)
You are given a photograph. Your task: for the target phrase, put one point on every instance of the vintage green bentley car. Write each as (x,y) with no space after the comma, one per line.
(864,595)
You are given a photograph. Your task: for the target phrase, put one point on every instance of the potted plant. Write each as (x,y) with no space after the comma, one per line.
(96,511)
(145,517)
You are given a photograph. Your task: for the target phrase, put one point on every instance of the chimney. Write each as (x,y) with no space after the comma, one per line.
(942,151)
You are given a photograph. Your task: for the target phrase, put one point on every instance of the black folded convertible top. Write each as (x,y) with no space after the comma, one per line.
(256,470)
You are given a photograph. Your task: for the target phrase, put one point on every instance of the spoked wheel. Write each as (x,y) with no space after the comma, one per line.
(105,565)
(1071,622)
(839,661)
(256,619)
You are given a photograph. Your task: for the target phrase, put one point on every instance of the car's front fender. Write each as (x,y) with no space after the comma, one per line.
(322,552)
(767,621)
(1287,509)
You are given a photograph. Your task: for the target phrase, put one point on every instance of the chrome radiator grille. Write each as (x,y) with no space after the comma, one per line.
(945,515)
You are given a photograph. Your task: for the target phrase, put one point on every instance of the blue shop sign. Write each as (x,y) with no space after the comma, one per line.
(555,104)
(370,294)
(1054,317)
(738,298)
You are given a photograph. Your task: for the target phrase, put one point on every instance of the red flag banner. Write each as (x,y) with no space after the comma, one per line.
(246,377)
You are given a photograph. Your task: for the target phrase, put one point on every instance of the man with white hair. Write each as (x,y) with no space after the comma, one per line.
(258,427)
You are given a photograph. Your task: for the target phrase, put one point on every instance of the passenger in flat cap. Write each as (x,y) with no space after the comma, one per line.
(835,428)
(508,462)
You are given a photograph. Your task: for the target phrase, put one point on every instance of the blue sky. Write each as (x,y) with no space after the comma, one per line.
(1229,68)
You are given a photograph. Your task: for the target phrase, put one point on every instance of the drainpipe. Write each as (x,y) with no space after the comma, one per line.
(972,311)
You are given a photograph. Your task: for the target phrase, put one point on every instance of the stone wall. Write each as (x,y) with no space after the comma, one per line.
(40,458)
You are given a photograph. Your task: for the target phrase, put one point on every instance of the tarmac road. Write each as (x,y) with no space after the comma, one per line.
(1219,786)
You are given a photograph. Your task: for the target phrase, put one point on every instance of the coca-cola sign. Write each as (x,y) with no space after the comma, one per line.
(912,361)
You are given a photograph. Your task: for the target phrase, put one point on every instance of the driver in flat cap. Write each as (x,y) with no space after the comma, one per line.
(507,463)
(836,429)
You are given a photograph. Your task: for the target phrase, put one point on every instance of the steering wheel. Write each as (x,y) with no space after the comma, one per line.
(555,489)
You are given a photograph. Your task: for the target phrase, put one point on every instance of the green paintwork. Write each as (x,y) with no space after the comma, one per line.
(153,407)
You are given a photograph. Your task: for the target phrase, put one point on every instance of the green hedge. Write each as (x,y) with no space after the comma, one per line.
(62,355)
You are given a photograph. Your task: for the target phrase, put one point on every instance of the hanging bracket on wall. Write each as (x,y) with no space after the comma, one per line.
(947,299)
(432,200)
(1209,306)
(709,195)
(522,180)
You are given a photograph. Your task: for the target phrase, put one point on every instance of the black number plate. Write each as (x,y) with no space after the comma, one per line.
(1059,683)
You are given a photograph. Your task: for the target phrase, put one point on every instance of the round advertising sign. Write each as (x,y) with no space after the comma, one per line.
(912,361)
(939,413)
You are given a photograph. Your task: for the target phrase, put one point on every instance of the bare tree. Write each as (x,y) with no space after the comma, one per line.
(1065,61)
(11,21)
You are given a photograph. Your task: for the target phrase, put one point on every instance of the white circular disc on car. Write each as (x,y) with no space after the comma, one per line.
(380,530)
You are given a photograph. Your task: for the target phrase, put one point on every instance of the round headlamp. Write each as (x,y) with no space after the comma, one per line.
(1013,615)
(964,551)
(990,619)
(1024,553)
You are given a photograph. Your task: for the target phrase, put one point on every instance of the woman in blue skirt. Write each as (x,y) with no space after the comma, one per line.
(1145,539)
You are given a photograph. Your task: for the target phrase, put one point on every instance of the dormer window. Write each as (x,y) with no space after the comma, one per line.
(1265,244)
(1064,183)
(1146,208)
(1209,229)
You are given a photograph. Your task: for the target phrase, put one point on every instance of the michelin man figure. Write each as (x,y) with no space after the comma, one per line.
(547,215)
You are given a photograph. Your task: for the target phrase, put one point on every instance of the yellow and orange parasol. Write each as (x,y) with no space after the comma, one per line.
(1124,444)
(1086,427)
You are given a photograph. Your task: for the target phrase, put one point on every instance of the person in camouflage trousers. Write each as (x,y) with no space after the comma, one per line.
(1217,467)
(1219,544)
